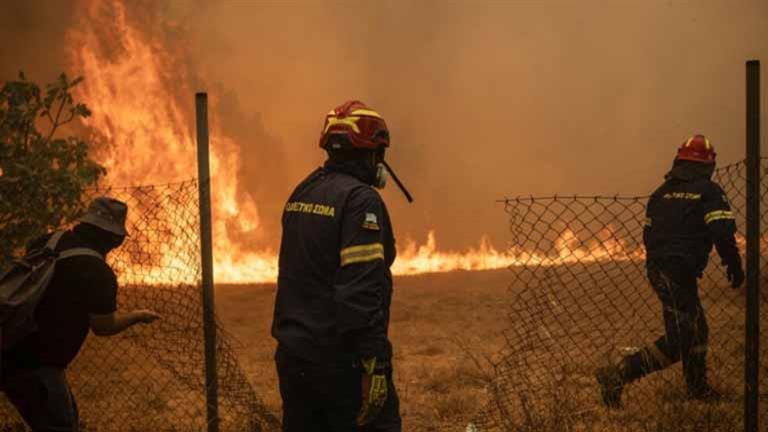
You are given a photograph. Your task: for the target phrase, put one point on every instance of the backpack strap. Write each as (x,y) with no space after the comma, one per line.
(54,240)
(79,252)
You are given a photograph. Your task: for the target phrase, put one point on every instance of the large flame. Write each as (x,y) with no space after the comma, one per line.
(140,98)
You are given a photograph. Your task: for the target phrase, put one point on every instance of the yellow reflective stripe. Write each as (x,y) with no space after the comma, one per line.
(373,247)
(362,253)
(366,112)
(349,121)
(720,218)
(361,258)
(718,215)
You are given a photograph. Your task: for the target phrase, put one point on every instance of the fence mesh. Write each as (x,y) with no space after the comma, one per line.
(152,378)
(581,301)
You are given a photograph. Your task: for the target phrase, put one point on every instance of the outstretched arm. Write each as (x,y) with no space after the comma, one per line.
(117,322)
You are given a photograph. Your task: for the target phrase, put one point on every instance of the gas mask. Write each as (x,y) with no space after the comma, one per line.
(381,176)
(384,171)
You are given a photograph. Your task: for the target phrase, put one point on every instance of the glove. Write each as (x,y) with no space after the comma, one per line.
(374,392)
(735,274)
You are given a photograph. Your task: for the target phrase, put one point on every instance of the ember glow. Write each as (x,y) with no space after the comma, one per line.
(141,102)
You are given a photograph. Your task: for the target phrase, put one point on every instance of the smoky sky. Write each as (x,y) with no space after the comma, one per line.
(32,36)
(484,99)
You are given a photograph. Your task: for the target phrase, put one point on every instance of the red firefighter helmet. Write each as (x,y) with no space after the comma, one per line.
(364,127)
(698,149)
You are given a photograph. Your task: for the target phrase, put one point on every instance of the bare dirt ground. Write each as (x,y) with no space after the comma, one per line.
(444,327)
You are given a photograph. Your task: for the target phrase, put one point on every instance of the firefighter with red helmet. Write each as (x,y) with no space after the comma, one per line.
(685,216)
(331,314)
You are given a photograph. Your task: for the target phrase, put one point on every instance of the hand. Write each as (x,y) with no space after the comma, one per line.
(735,275)
(146,316)
(374,392)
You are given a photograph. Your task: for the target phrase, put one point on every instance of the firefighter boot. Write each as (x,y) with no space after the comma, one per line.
(612,379)
(695,370)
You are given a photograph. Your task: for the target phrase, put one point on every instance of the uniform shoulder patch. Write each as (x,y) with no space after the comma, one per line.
(371,222)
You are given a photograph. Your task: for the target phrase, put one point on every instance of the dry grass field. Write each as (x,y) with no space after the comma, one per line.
(444,327)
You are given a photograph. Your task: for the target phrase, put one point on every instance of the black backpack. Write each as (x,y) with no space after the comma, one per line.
(23,285)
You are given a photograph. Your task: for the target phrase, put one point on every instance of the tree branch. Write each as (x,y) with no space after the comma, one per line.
(50,117)
(69,119)
(56,124)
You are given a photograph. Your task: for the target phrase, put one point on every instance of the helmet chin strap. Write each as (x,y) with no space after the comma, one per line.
(381,179)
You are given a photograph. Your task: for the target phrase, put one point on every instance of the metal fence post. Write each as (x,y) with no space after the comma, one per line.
(752,354)
(206,251)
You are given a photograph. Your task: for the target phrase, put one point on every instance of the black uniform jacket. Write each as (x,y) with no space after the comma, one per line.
(684,217)
(334,283)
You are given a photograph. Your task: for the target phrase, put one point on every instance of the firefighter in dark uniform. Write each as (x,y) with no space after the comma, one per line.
(335,286)
(684,218)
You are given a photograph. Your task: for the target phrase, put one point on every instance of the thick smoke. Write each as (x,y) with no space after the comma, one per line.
(32,38)
(484,100)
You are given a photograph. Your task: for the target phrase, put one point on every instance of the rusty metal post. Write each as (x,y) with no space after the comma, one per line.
(206,251)
(752,350)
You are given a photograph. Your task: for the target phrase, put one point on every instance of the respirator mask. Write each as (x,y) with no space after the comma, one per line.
(381,176)
(383,172)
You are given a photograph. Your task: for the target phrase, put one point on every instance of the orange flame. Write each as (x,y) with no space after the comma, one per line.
(140,100)
(137,110)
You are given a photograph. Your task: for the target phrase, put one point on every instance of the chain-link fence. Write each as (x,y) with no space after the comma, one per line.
(581,301)
(152,378)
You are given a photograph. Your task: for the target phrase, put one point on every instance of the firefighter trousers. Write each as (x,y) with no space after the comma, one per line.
(43,399)
(686,332)
(326,398)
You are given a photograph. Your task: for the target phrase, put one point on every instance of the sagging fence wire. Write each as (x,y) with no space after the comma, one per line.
(581,301)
